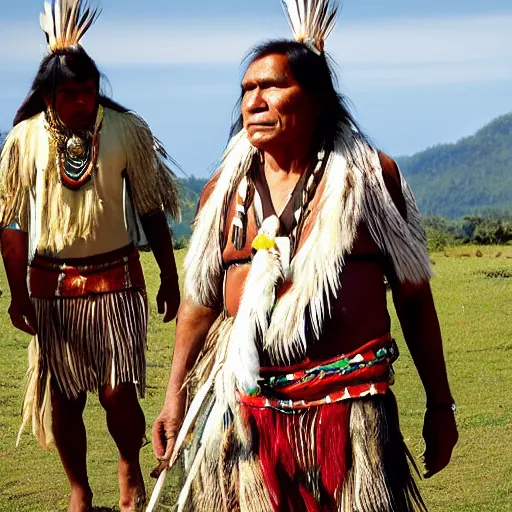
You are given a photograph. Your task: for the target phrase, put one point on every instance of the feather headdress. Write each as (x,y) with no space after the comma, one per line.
(311,21)
(66,21)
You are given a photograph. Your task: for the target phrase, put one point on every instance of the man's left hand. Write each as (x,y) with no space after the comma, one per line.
(440,435)
(168,299)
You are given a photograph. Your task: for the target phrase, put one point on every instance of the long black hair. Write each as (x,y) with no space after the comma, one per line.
(315,75)
(70,64)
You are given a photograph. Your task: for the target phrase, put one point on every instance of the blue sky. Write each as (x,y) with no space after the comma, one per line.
(417,73)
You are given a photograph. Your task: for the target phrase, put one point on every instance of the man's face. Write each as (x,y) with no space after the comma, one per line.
(75,104)
(276,111)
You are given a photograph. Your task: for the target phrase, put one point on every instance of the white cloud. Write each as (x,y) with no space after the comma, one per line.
(405,52)
(426,52)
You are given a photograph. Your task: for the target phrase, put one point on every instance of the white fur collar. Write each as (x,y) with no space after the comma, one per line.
(353,190)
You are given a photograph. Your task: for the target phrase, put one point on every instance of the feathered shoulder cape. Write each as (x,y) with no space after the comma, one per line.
(351,191)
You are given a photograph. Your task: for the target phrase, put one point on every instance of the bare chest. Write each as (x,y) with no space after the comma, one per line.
(281,190)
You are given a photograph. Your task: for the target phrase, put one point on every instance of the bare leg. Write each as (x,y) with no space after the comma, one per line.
(70,439)
(126,424)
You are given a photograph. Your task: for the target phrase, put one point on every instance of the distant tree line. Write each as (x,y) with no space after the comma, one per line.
(489,228)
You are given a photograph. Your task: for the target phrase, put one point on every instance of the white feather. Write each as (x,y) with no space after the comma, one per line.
(48,24)
(292,14)
(302,14)
(57,16)
(242,363)
(316,268)
(203,263)
(66,24)
(70,29)
(402,239)
(311,21)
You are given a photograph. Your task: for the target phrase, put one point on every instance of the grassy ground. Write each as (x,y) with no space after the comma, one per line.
(474,301)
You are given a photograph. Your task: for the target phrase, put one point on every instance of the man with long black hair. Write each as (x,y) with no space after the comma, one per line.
(83,182)
(284,334)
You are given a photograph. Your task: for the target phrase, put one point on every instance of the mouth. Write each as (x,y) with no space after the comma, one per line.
(80,120)
(268,124)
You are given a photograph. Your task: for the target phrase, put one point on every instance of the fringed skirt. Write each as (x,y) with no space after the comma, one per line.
(87,343)
(345,456)
(342,457)
(91,329)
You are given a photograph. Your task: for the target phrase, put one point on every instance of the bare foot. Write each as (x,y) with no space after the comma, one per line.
(131,486)
(80,501)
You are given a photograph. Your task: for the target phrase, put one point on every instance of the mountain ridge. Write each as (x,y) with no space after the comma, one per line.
(469,176)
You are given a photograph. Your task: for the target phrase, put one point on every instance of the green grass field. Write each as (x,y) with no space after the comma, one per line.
(474,302)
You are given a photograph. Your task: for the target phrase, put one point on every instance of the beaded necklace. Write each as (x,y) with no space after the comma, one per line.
(76,156)
(245,195)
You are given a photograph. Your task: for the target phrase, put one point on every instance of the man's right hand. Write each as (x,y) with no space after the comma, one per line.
(14,247)
(192,326)
(165,431)
(23,314)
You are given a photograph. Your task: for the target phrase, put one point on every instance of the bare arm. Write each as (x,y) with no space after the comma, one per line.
(15,256)
(193,323)
(418,317)
(159,237)
(417,314)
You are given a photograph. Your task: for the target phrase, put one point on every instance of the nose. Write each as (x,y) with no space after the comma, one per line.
(255,101)
(80,99)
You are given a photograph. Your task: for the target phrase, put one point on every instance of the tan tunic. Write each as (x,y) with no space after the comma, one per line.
(110,232)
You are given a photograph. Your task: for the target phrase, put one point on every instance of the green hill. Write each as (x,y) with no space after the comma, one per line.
(190,191)
(471,176)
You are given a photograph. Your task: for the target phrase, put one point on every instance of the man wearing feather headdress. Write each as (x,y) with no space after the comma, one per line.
(83,182)
(284,334)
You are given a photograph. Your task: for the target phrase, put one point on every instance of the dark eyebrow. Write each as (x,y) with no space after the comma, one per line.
(275,81)
(271,82)
(246,85)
